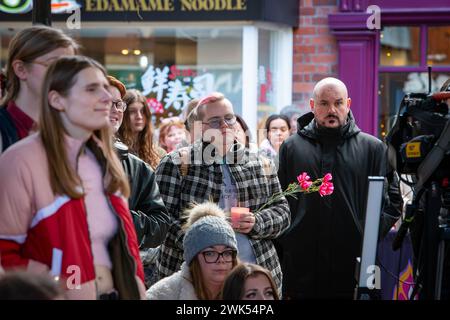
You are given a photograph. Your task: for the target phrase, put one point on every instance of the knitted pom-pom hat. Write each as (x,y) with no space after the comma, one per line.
(206,227)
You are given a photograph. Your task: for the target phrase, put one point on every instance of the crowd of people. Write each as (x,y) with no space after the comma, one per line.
(90,197)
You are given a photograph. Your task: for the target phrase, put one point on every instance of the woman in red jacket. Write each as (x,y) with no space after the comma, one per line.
(62,196)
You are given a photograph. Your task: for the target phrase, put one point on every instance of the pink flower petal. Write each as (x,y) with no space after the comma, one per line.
(305,185)
(303,178)
(327,177)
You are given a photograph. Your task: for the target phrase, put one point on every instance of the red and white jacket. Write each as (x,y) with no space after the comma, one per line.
(34,221)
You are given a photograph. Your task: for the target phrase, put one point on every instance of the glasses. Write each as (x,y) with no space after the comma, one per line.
(213,256)
(119,105)
(215,123)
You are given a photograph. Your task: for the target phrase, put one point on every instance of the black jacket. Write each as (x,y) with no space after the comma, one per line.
(146,205)
(8,131)
(318,251)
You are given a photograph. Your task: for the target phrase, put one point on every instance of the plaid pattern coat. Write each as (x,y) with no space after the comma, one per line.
(202,181)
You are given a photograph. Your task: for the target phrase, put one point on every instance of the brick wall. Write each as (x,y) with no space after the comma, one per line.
(315,51)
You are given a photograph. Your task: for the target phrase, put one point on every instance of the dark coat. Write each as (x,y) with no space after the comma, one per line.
(150,216)
(319,250)
(8,131)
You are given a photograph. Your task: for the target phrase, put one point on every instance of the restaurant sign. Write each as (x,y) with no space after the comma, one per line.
(283,12)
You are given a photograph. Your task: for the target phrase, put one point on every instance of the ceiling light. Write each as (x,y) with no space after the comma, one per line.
(143,62)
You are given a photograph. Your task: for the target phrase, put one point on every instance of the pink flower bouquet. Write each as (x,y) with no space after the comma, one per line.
(322,185)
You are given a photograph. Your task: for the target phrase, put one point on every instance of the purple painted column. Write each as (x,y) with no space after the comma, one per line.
(357,66)
(358,70)
(358,61)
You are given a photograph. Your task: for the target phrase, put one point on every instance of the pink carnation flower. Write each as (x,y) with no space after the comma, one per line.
(327,177)
(326,188)
(304,181)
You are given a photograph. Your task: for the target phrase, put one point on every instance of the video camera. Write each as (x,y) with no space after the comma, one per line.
(419,147)
(417,129)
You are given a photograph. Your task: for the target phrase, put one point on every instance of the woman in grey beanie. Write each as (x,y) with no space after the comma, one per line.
(210,252)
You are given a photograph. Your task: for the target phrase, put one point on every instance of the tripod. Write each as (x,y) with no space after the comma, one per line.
(445,237)
(433,238)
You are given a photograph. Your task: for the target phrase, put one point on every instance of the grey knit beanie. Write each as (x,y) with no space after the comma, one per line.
(206,227)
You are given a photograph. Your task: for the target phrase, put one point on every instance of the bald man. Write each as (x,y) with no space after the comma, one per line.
(319,250)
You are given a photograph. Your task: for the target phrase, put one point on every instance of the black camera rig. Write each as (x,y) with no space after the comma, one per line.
(419,147)
(421,126)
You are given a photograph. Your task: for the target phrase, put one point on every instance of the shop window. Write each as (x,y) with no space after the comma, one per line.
(438,46)
(394,86)
(173,64)
(266,70)
(170,66)
(404,60)
(399,46)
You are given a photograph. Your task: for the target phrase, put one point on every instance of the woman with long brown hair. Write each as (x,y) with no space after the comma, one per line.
(30,52)
(248,281)
(63,192)
(136,130)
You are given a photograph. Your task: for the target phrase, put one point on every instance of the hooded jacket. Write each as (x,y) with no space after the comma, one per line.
(319,249)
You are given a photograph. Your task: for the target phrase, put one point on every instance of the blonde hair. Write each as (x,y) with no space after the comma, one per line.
(143,144)
(60,77)
(29,44)
(199,110)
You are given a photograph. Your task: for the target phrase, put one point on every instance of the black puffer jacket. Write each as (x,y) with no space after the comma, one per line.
(146,205)
(318,251)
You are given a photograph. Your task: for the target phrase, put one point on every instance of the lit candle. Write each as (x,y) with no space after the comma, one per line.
(236,215)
